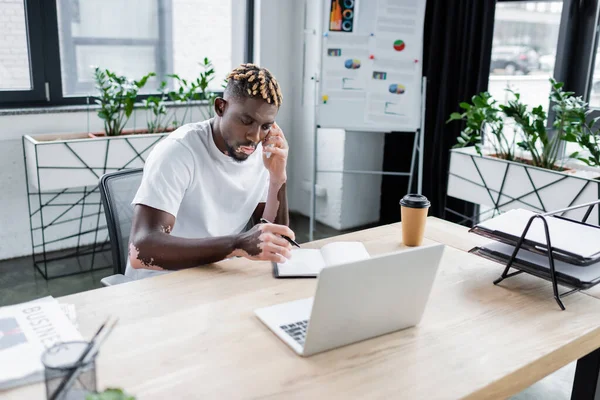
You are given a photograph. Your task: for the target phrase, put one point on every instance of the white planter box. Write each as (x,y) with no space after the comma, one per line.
(75,160)
(505,185)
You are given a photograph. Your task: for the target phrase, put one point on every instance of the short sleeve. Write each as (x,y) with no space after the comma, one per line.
(168,173)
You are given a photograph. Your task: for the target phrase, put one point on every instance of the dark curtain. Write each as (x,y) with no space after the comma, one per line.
(457,49)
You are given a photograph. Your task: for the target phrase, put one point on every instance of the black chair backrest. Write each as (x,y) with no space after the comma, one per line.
(117,190)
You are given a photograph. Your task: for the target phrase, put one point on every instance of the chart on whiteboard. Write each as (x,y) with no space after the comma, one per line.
(371,73)
(396,75)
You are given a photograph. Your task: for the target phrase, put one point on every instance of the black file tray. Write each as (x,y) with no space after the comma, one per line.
(512,238)
(569,275)
(547,250)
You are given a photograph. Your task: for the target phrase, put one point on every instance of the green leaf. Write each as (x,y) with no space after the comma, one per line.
(570,137)
(110,394)
(142,82)
(129,103)
(478,149)
(455,116)
(479,102)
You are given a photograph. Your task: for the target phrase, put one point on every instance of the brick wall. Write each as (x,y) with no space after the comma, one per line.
(14,61)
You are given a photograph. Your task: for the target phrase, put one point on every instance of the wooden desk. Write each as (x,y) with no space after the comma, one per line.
(193,334)
(459,237)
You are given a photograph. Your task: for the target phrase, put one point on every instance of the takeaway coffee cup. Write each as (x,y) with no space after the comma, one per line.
(413,213)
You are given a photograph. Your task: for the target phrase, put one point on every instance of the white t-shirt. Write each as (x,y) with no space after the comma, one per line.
(209,193)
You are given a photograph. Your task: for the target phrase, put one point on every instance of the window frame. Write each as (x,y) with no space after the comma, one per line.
(576,48)
(45,63)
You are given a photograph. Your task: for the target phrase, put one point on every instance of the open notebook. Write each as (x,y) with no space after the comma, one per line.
(307,263)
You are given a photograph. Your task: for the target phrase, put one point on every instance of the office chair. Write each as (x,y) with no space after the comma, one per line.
(117,190)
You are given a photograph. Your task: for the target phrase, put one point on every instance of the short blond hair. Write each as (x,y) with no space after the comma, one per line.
(250,80)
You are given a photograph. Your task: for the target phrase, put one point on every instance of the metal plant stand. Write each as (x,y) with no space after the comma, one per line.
(72,218)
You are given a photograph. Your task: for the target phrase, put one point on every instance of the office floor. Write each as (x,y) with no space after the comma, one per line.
(19,282)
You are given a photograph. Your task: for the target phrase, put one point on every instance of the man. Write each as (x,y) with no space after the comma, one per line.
(204,182)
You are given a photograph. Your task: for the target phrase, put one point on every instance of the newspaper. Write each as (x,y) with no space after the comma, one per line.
(26,331)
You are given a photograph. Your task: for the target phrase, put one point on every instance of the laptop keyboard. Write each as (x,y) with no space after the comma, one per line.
(297,331)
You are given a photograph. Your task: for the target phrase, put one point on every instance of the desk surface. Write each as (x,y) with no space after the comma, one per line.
(193,334)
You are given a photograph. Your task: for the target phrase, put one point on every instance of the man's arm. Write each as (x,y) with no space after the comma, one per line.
(276,207)
(152,246)
(275,154)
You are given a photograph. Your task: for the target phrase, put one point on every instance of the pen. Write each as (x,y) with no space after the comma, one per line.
(292,241)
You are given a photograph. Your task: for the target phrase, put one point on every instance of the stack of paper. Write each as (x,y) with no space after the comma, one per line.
(26,331)
(574,276)
(572,242)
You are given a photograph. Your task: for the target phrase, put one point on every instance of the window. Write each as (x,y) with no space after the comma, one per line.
(524,50)
(21,56)
(204,28)
(132,38)
(92,34)
(14,51)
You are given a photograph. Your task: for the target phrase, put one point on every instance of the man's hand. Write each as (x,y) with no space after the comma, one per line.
(276,144)
(263,242)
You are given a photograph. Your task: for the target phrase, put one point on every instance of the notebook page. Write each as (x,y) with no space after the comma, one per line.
(304,262)
(344,252)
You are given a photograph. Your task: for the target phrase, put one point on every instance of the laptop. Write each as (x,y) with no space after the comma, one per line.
(358,301)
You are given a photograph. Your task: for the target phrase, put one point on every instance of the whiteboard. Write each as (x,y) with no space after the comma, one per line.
(371,65)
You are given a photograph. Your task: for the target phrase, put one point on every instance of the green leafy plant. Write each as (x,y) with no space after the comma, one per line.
(156,107)
(110,394)
(116,99)
(535,138)
(589,139)
(203,93)
(572,118)
(194,90)
(183,95)
(482,116)
(543,144)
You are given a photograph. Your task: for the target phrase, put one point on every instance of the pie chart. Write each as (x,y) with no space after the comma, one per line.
(399,45)
(352,64)
(397,88)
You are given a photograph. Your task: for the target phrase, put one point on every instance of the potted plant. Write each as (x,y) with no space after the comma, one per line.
(56,162)
(117,98)
(525,170)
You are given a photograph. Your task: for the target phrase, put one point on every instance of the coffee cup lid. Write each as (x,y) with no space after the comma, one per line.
(415,201)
